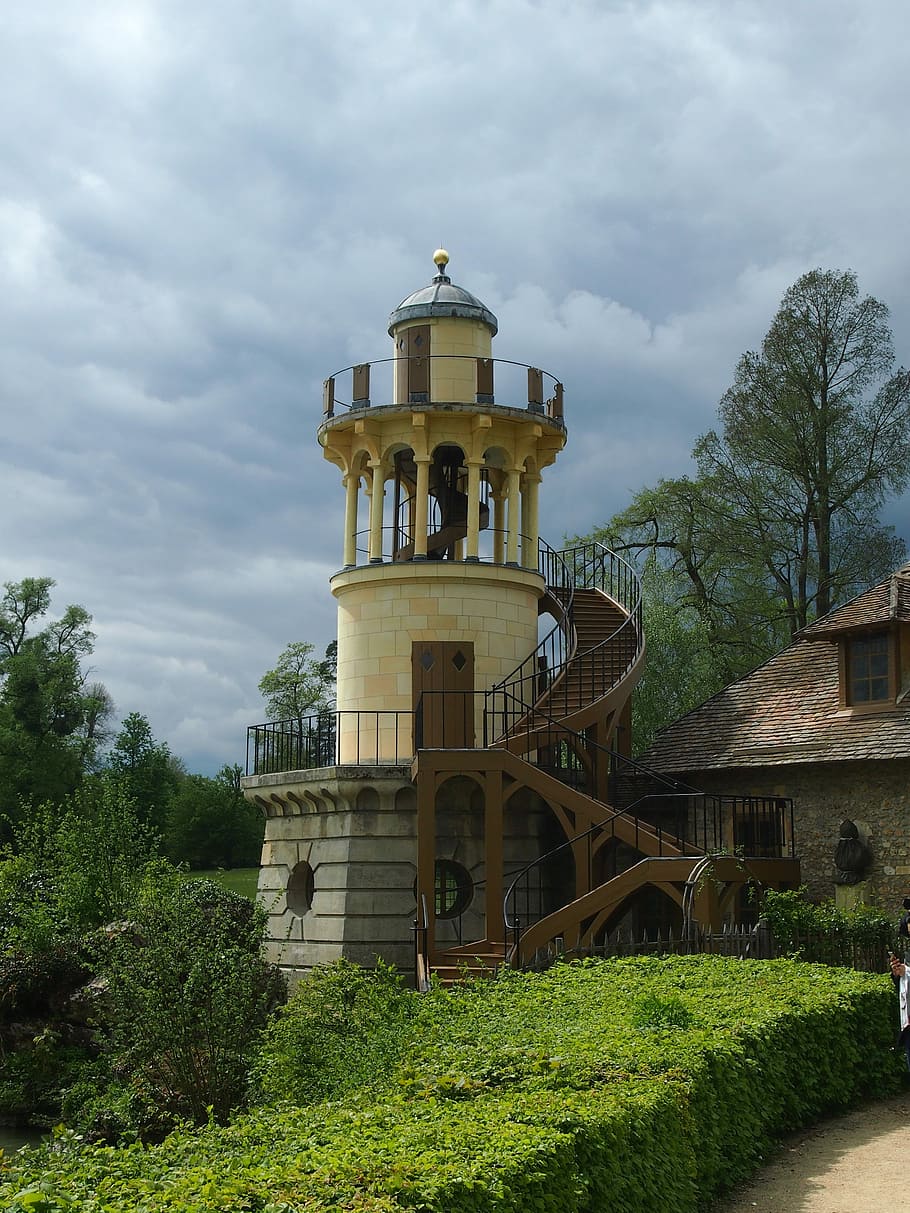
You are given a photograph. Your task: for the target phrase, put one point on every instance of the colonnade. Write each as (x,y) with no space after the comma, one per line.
(514,493)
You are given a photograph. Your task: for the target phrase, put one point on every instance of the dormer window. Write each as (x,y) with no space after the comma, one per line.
(869,669)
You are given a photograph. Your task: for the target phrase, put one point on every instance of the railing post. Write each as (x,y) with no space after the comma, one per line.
(360,396)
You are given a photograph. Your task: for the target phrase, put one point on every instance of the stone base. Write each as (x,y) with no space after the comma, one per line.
(849,896)
(339,862)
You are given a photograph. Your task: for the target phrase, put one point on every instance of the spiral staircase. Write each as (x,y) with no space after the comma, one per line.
(557,726)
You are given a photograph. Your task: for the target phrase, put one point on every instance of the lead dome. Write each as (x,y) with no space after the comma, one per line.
(442,297)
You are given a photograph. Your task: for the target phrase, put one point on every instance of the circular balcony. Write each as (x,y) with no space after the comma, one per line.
(443,380)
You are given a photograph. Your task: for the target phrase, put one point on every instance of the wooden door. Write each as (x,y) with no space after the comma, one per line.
(418,351)
(442,680)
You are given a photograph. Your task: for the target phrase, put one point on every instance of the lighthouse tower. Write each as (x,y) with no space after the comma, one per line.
(438,597)
(469,800)
(478,669)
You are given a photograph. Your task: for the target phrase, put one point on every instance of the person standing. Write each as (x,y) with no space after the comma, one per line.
(901,978)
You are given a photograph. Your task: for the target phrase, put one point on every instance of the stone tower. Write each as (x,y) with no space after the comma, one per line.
(440,450)
(470,800)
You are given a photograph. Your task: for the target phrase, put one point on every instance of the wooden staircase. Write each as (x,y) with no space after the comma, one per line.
(575,714)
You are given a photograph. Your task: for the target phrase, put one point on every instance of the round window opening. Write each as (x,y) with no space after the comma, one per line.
(300,889)
(454,888)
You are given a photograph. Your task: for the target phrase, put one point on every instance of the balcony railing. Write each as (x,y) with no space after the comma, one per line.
(395,538)
(444,379)
(382,738)
(594,671)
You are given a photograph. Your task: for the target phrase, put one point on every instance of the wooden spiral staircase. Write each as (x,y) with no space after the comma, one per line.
(552,728)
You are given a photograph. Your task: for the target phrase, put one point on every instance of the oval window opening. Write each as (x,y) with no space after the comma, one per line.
(300,890)
(454,888)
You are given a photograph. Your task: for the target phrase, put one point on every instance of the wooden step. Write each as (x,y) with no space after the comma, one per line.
(464,963)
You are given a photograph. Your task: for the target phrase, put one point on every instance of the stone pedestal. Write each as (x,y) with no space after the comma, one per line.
(339,862)
(849,896)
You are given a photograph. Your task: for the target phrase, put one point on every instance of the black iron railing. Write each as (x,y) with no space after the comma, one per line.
(518,385)
(396,539)
(756,942)
(330,739)
(422,946)
(573,679)
(675,817)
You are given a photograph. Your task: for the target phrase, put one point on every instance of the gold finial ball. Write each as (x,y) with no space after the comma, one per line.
(441,257)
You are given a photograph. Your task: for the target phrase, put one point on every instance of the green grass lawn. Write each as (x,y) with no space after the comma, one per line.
(238,880)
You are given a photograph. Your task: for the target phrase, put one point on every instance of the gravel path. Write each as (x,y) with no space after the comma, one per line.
(853,1164)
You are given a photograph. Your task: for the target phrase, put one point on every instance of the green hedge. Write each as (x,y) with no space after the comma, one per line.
(635,1085)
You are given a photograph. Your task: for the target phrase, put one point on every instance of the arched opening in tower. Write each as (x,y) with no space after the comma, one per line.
(447,507)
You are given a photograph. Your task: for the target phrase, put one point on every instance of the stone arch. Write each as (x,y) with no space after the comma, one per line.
(650,908)
(406,799)
(398,512)
(367,800)
(363,453)
(497,458)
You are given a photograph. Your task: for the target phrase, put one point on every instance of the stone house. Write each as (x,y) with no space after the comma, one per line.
(826,722)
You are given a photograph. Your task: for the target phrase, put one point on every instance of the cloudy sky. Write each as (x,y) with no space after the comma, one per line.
(208,207)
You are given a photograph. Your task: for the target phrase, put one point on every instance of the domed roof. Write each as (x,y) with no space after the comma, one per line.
(442,298)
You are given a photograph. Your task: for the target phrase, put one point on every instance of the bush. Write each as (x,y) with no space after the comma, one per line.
(344,1027)
(820,931)
(189,992)
(74,869)
(532,1092)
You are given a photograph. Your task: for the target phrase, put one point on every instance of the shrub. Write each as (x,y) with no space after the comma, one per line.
(564,1104)
(658,1011)
(821,931)
(344,1027)
(189,993)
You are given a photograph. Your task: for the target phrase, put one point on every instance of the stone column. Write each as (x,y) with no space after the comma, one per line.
(352,485)
(529,519)
(512,493)
(421,507)
(499,526)
(473,510)
(377,493)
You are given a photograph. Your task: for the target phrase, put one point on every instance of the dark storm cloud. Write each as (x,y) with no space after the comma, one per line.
(207,208)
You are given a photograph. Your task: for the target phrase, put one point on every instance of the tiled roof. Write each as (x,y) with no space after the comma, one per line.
(788,710)
(884,602)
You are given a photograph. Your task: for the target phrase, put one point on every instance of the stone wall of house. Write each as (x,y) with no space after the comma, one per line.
(875,795)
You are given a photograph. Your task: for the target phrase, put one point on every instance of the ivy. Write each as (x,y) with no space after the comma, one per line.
(635,1085)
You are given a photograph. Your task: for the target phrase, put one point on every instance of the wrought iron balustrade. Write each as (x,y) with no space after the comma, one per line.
(497,382)
(329,739)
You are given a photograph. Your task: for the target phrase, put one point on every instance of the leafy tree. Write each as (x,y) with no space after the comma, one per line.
(815,435)
(681,670)
(98,709)
(51,723)
(189,994)
(76,866)
(147,769)
(781,522)
(210,824)
(299,686)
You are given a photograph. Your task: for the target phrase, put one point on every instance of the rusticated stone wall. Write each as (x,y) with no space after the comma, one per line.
(876,795)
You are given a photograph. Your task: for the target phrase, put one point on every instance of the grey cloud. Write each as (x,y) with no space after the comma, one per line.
(206,209)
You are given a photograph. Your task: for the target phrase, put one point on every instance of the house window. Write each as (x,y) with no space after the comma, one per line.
(868,668)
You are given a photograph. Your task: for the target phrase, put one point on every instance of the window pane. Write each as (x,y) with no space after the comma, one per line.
(859,692)
(869,668)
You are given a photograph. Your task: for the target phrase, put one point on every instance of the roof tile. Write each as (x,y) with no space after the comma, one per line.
(788,710)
